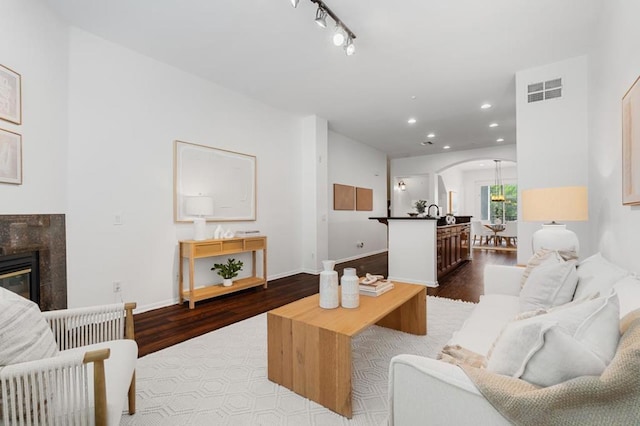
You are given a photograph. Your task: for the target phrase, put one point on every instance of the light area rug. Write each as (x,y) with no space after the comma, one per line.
(220,378)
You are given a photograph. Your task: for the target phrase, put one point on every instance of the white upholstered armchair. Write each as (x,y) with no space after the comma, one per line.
(86,381)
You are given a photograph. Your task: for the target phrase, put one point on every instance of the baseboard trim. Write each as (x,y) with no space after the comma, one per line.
(176,301)
(412,281)
(360,256)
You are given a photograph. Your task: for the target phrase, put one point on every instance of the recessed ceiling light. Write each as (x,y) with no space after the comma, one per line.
(425,143)
(446,147)
(493,125)
(412,120)
(431,135)
(481,164)
(413,97)
(485,106)
(500,140)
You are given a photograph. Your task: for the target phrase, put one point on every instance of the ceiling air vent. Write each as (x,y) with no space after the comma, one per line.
(550,89)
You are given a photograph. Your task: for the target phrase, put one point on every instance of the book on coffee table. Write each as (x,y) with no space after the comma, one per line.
(376,290)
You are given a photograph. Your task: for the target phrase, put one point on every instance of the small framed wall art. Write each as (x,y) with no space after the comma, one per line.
(631,145)
(10,95)
(10,157)
(364,199)
(344,197)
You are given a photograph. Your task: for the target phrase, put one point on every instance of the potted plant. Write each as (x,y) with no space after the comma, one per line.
(421,206)
(228,270)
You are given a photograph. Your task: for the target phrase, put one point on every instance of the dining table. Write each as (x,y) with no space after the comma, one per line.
(495,227)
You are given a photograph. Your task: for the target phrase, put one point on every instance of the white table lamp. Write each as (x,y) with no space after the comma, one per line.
(201,207)
(568,203)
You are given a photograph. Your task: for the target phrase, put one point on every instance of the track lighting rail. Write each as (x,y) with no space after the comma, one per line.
(333,16)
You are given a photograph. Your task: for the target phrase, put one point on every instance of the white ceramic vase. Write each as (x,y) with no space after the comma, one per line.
(329,286)
(227,282)
(350,289)
(218,233)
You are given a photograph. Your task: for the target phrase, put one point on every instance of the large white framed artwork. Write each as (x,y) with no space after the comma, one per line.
(631,145)
(10,95)
(226,177)
(10,157)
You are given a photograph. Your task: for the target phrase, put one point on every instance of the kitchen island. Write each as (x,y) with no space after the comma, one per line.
(421,250)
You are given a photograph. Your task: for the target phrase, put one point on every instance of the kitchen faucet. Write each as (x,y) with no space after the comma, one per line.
(429,210)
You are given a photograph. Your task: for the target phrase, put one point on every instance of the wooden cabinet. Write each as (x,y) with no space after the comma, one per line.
(452,247)
(191,250)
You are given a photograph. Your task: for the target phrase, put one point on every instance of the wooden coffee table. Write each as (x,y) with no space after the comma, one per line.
(309,348)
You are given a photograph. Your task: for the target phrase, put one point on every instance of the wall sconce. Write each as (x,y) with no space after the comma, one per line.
(402,186)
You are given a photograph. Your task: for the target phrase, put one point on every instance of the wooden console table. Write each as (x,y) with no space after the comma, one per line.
(191,249)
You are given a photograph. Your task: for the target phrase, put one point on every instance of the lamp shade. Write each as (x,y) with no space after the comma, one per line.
(567,203)
(199,206)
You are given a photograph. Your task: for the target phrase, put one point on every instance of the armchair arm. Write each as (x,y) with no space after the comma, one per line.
(500,279)
(426,391)
(77,327)
(55,390)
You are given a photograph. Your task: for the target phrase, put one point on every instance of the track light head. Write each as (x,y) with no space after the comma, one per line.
(321,17)
(338,36)
(343,36)
(349,47)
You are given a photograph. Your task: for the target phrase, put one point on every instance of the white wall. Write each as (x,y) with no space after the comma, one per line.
(314,195)
(428,165)
(418,187)
(552,141)
(353,163)
(613,66)
(453,180)
(126,110)
(33,43)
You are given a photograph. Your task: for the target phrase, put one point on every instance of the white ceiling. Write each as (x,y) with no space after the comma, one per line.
(452,55)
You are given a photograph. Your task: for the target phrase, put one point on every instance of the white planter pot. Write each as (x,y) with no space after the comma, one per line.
(227,282)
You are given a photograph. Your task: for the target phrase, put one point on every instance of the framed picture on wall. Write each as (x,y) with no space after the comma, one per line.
(453,202)
(10,95)
(226,178)
(10,157)
(631,145)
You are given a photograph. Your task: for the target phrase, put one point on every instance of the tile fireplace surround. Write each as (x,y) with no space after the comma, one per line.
(44,233)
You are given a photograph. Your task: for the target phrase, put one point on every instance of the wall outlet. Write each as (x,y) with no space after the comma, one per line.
(117,286)
(360,244)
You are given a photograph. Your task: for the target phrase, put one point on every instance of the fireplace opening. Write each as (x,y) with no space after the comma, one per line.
(19,273)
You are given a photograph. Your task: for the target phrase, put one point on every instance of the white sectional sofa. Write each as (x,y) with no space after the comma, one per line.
(429,391)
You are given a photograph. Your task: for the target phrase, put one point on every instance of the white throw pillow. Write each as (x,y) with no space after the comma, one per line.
(628,289)
(597,275)
(544,256)
(24,333)
(548,349)
(549,284)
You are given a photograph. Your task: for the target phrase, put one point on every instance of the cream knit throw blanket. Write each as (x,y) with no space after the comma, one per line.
(612,398)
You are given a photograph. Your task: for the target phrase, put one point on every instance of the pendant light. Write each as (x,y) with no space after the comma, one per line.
(498,192)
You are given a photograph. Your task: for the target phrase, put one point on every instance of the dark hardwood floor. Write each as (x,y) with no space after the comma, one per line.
(164,327)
